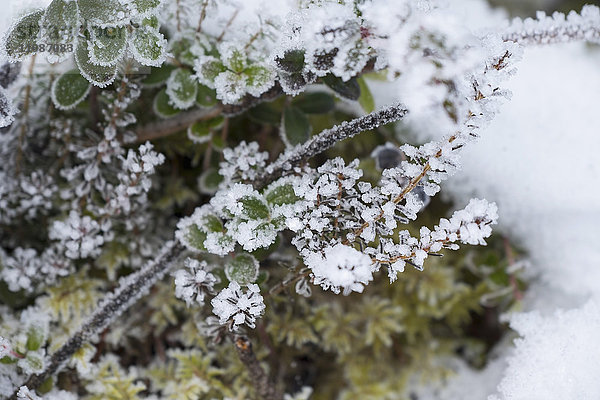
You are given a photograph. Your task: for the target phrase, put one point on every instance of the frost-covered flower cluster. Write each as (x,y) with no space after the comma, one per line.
(235,307)
(193,283)
(243,163)
(341,267)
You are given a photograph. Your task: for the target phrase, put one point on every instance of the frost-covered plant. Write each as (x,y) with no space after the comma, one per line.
(154,130)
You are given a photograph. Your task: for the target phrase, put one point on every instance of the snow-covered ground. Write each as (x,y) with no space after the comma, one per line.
(539,161)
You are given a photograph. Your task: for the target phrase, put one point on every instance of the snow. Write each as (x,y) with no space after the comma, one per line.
(558,357)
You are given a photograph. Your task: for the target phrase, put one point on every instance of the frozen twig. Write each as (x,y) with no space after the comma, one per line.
(328,138)
(557,28)
(264,387)
(131,289)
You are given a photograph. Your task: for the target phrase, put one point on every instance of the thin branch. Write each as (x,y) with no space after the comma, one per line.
(173,125)
(181,121)
(131,289)
(264,387)
(328,138)
(556,28)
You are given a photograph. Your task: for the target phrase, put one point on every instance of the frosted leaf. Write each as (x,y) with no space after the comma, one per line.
(340,267)
(148,46)
(203,231)
(69,90)
(207,69)
(22,37)
(107,45)
(260,78)
(161,105)
(281,192)
(182,89)
(230,87)
(235,307)
(193,283)
(209,181)
(103,13)
(59,26)
(243,269)
(97,75)
(146,7)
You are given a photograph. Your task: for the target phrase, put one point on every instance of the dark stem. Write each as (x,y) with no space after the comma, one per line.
(264,387)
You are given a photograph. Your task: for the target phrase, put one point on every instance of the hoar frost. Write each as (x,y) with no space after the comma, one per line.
(340,267)
(236,307)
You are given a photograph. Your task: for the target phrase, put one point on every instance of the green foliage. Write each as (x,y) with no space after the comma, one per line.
(296,126)
(349,90)
(243,269)
(69,89)
(21,39)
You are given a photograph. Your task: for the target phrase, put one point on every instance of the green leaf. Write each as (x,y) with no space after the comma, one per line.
(218,143)
(199,132)
(296,127)
(212,223)
(35,338)
(315,103)
(21,39)
(254,207)
(69,90)
(366,100)
(349,90)
(237,61)
(243,269)
(162,107)
(258,76)
(265,113)
(206,96)
(35,361)
(180,48)
(209,181)
(103,13)
(292,61)
(148,46)
(151,22)
(182,88)
(195,237)
(208,69)
(59,27)
(158,75)
(100,76)
(145,6)
(107,45)
(281,193)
